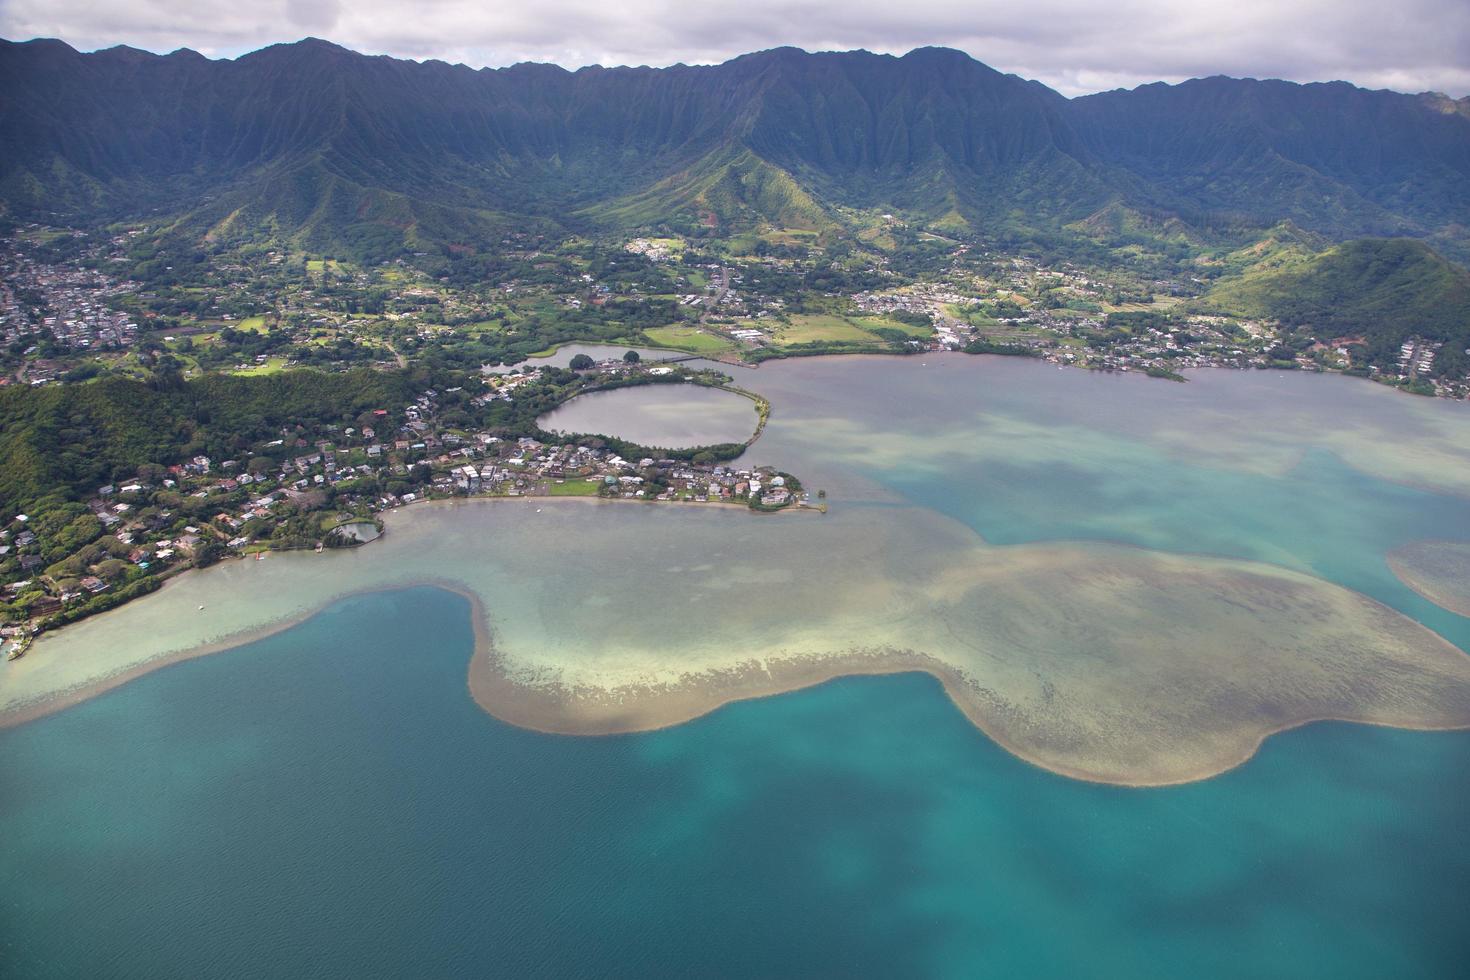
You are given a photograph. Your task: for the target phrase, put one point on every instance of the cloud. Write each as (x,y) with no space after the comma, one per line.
(1074,46)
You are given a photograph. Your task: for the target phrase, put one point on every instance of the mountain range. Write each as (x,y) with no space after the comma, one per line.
(335,149)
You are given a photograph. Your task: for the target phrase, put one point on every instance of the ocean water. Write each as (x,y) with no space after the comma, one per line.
(329,802)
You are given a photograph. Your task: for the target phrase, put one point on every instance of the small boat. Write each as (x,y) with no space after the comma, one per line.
(201,607)
(538,510)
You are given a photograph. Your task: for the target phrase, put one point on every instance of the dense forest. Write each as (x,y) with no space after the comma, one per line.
(1382,290)
(62,442)
(375,158)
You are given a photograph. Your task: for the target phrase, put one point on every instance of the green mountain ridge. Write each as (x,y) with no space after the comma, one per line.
(1387,291)
(336,150)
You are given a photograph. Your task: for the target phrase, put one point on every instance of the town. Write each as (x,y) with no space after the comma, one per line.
(79,307)
(75,306)
(320,490)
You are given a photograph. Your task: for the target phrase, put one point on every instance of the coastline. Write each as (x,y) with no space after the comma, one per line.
(29,710)
(502,682)
(591,710)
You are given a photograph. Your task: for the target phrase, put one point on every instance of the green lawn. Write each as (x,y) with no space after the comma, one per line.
(825,328)
(575,487)
(272,366)
(692,339)
(254,324)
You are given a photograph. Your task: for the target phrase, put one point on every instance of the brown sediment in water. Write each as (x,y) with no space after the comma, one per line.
(590,710)
(1110,664)
(1142,746)
(1437,570)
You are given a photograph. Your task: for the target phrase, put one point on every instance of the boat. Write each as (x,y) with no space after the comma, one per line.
(201,607)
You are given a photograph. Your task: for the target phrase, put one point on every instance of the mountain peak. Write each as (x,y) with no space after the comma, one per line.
(934,133)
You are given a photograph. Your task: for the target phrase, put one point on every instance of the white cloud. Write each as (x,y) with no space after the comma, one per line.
(1073,45)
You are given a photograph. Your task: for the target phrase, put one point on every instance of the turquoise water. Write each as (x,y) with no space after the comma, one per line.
(331,802)
(375,822)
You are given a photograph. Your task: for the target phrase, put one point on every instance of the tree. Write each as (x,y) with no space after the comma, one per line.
(631,357)
(582,363)
(208,553)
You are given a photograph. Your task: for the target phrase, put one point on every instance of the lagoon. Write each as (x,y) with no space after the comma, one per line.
(1101,595)
(663,416)
(562,356)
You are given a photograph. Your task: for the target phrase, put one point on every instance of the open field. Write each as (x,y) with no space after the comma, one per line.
(883,322)
(272,366)
(824,328)
(692,339)
(573,488)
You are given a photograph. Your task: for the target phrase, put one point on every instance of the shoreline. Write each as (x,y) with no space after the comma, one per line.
(173,574)
(27,711)
(598,706)
(590,711)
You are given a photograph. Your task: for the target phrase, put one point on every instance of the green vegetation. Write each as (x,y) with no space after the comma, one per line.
(272,365)
(691,339)
(821,329)
(1384,291)
(63,442)
(574,488)
(774,153)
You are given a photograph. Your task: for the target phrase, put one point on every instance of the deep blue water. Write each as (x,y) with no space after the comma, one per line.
(329,802)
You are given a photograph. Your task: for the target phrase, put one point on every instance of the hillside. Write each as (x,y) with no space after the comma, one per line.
(373,156)
(1385,290)
(63,441)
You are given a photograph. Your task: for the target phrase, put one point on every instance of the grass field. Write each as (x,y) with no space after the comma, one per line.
(824,328)
(692,339)
(882,321)
(482,326)
(272,366)
(1161,304)
(255,324)
(573,488)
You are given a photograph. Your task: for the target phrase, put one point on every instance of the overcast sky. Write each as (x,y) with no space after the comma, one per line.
(1075,46)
